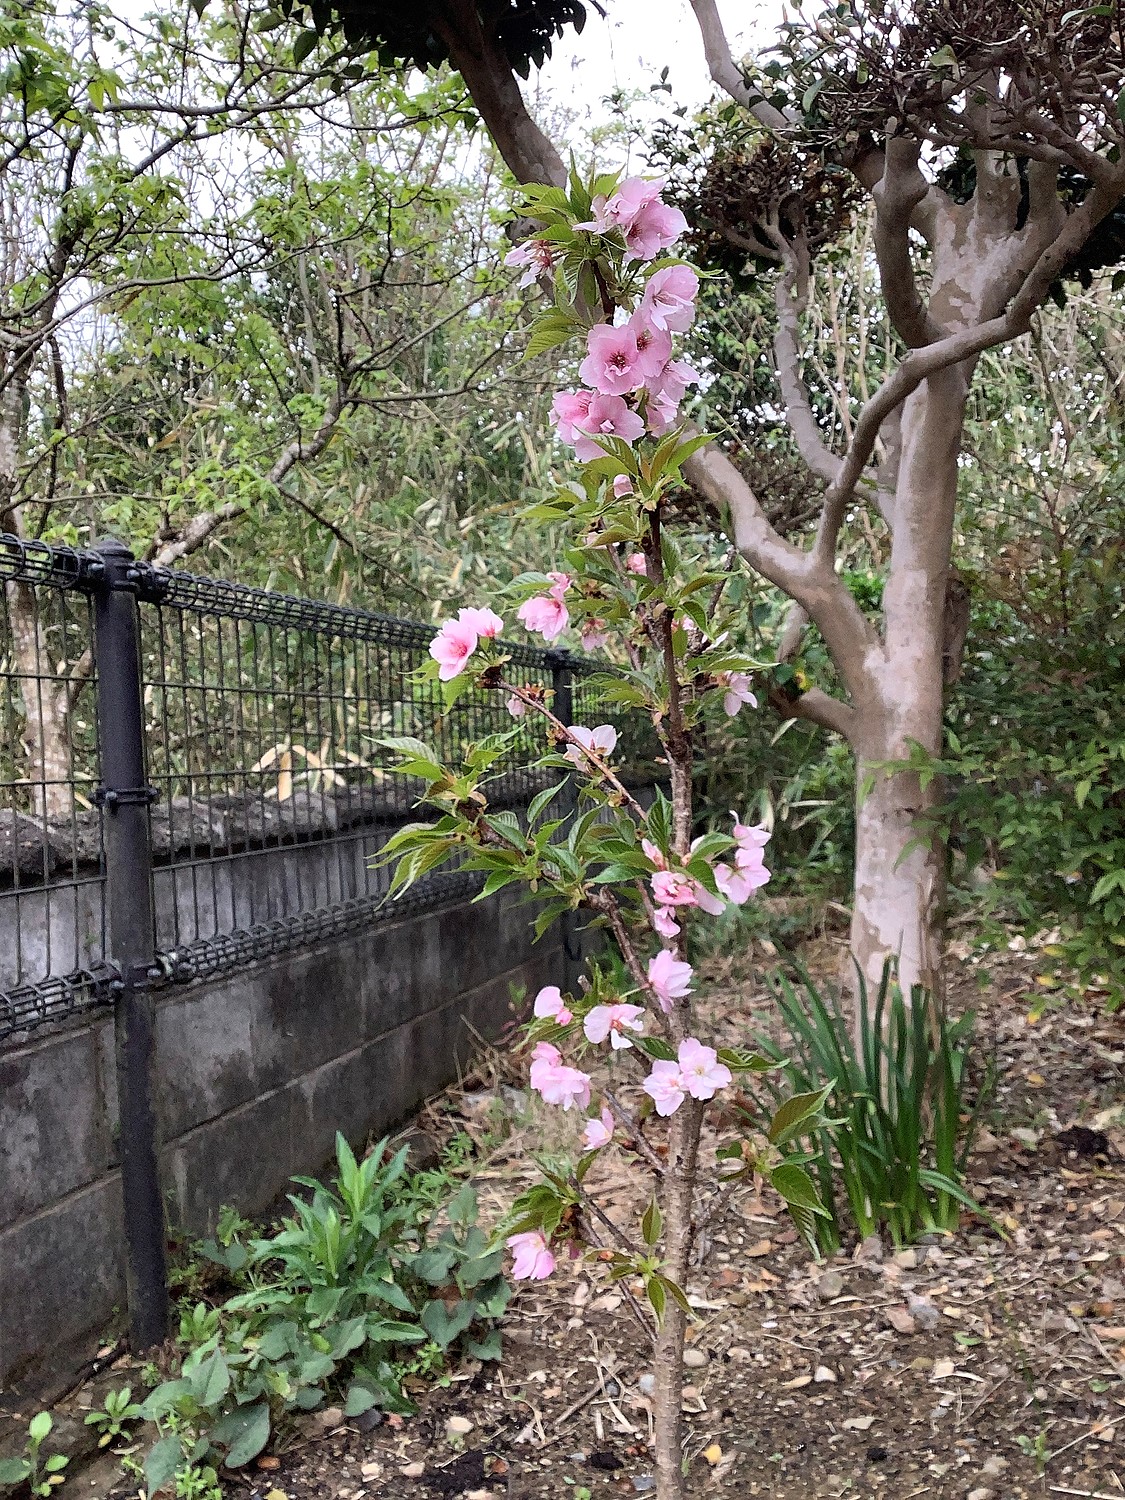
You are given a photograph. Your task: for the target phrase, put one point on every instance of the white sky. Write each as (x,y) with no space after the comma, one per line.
(637,39)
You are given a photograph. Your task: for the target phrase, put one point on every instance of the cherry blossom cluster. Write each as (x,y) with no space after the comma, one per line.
(630,381)
(735,883)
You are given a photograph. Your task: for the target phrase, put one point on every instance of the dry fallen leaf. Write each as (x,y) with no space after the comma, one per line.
(759,1247)
(797,1383)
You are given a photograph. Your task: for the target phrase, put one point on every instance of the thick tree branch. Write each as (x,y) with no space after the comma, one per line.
(479,59)
(897,195)
(817,707)
(790,299)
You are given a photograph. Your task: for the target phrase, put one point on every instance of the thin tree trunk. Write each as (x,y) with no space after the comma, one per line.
(679,1186)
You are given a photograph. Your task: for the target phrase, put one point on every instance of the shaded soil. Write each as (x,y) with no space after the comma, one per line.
(975,1366)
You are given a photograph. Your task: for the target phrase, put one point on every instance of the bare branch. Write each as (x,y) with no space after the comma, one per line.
(791,298)
(897,195)
(725,71)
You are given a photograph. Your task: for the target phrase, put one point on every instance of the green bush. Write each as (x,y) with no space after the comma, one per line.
(890,1151)
(355,1290)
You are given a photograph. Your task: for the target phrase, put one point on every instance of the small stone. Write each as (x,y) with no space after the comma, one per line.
(458,1427)
(368,1472)
(695,1359)
(943,1369)
(413,1471)
(331,1416)
(907,1259)
(739,1355)
(900,1320)
(644,1483)
(612,1389)
(268,1461)
(994,1466)
(830,1285)
(981,1494)
(923,1311)
(646,1383)
(824,1376)
(869,1251)
(858,1424)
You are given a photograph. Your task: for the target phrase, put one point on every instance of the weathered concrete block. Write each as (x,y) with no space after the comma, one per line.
(61,1277)
(55,1136)
(204,1053)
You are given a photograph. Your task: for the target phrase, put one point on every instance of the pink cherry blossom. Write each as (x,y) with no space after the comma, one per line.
(654,347)
(537,256)
(635,563)
(675,378)
(599,1131)
(655,854)
(516,707)
(673,888)
(669,299)
(737,693)
(532,1259)
(561,1085)
(451,648)
(661,413)
(485,622)
(670,979)
(608,416)
(702,1072)
(613,1021)
(734,885)
(545,614)
(560,582)
(666,1087)
(594,635)
(664,922)
(622,486)
(749,837)
(655,228)
(714,906)
(612,365)
(569,412)
(621,209)
(602,741)
(549,1006)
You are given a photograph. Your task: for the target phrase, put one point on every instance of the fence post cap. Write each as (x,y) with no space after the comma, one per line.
(112,546)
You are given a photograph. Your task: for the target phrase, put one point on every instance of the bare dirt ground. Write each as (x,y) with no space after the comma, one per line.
(973,1367)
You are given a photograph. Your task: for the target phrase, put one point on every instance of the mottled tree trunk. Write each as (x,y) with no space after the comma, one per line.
(900,864)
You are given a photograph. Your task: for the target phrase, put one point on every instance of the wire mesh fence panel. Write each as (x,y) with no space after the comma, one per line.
(266,721)
(272,787)
(52,893)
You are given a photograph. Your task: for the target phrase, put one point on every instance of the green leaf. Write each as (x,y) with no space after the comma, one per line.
(246,1430)
(359,1400)
(490,1347)
(656,1047)
(652,1224)
(654,1289)
(797,1188)
(442,1325)
(210,1380)
(795,1112)
(163,1459)
(304,44)
(740,1060)
(39,1426)
(14,1470)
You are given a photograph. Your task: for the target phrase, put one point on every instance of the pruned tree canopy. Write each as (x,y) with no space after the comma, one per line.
(421,34)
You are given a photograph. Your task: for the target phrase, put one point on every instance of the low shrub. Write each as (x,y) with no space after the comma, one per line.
(357,1289)
(889,1151)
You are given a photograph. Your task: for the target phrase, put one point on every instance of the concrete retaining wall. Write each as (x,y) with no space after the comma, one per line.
(257,1071)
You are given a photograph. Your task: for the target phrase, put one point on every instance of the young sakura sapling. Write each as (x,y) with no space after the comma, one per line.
(662,611)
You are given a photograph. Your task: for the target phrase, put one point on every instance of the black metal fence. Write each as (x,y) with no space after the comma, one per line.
(192,779)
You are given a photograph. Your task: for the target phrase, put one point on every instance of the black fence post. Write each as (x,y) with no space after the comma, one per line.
(125,795)
(562,706)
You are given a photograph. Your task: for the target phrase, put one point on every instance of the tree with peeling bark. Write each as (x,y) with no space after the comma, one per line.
(989,144)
